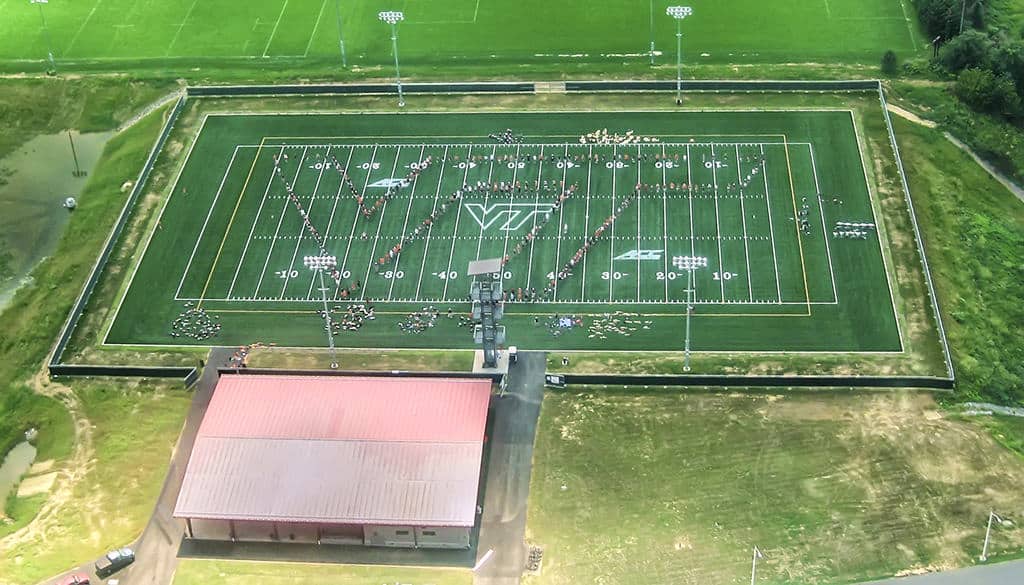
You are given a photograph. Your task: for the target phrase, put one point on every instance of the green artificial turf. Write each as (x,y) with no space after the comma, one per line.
(453,32)
(233,242)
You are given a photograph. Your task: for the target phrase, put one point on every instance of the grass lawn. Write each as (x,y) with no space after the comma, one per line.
(774,206)
(195,572)
(677,488)
(453,32)
(116,479)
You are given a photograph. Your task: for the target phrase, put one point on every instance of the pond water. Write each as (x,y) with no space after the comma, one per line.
(34,182)
(17,462)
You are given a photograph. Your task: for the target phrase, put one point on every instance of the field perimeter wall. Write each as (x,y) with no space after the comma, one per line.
(57,367)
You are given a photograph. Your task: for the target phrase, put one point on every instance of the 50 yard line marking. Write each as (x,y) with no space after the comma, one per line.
(430,228)
(511,196)
(405,225)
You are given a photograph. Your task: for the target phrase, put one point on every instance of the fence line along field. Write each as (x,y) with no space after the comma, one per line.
(460,31)
(761,221)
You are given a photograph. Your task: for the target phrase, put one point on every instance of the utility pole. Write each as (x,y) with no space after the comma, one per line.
(78,172)
(988,532)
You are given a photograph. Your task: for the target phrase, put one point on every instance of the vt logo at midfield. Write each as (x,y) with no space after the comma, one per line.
(508,217)
(640,255)
(389,183)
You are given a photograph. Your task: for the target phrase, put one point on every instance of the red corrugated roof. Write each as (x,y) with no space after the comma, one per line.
(337,407)
(345,450)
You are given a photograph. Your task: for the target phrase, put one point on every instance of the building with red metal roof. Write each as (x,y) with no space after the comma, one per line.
(390,461)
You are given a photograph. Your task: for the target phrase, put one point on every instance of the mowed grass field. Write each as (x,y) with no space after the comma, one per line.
(674,489)
(725,188)
(457,31)
(200,572)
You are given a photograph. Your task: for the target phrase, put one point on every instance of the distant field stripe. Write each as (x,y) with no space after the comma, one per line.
(316,25)
(81,27)
(180,26)
(206,221)
(277,23)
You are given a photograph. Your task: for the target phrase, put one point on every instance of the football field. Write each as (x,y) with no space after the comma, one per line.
(607,227)
(474,32)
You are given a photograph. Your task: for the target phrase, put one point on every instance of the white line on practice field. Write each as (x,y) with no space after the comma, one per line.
(536,202)
(277,230)
(276,24)
(330,222)
(458,216)
(202,231)
(380,224)
(743,212)
(430,228)
(180,26)
(74,39)
(718,225)
(586,222)
(355,216)
(771,225)
(316,25)
(664,221)
(252,229)
(405,225)
(824,227)
(302,225)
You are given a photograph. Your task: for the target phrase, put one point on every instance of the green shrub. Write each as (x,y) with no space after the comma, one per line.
(987,92)
(890,63)
(971,49)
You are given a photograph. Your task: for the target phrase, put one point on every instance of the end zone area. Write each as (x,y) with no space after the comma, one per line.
(762,220)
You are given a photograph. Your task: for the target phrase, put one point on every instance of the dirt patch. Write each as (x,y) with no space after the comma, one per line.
(36,485)
(40,467)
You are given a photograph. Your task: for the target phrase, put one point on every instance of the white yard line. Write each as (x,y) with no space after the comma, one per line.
(689,190)
(511,196)
(561,220)
(316,25)
(202,231)
(180,26)
(664,221)
(380,224)
(276,24)
(455,232)
(327,234)
(586,222)
(743,212)
(611,256)
(355,221)
(277,230)
(639,203)
(718,224)
(252,229)
(824,226)
(487,195)
(303,230)
(536,203)
(405,224)
(771,225)
(430,228)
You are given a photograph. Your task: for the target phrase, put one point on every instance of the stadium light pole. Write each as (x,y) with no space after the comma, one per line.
(753,566)
(988,531)
(317,264)
(393,17)
(689,264)
(679,13)
(652,33)
(341,38)
(46,31)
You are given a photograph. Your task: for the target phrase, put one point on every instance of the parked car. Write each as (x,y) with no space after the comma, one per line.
(114,561)
(76,579)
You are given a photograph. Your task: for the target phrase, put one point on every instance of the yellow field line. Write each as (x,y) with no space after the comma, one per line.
(227,230)
(796,225)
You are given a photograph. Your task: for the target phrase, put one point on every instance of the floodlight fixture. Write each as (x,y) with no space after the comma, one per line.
(393,17)
(679,13)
